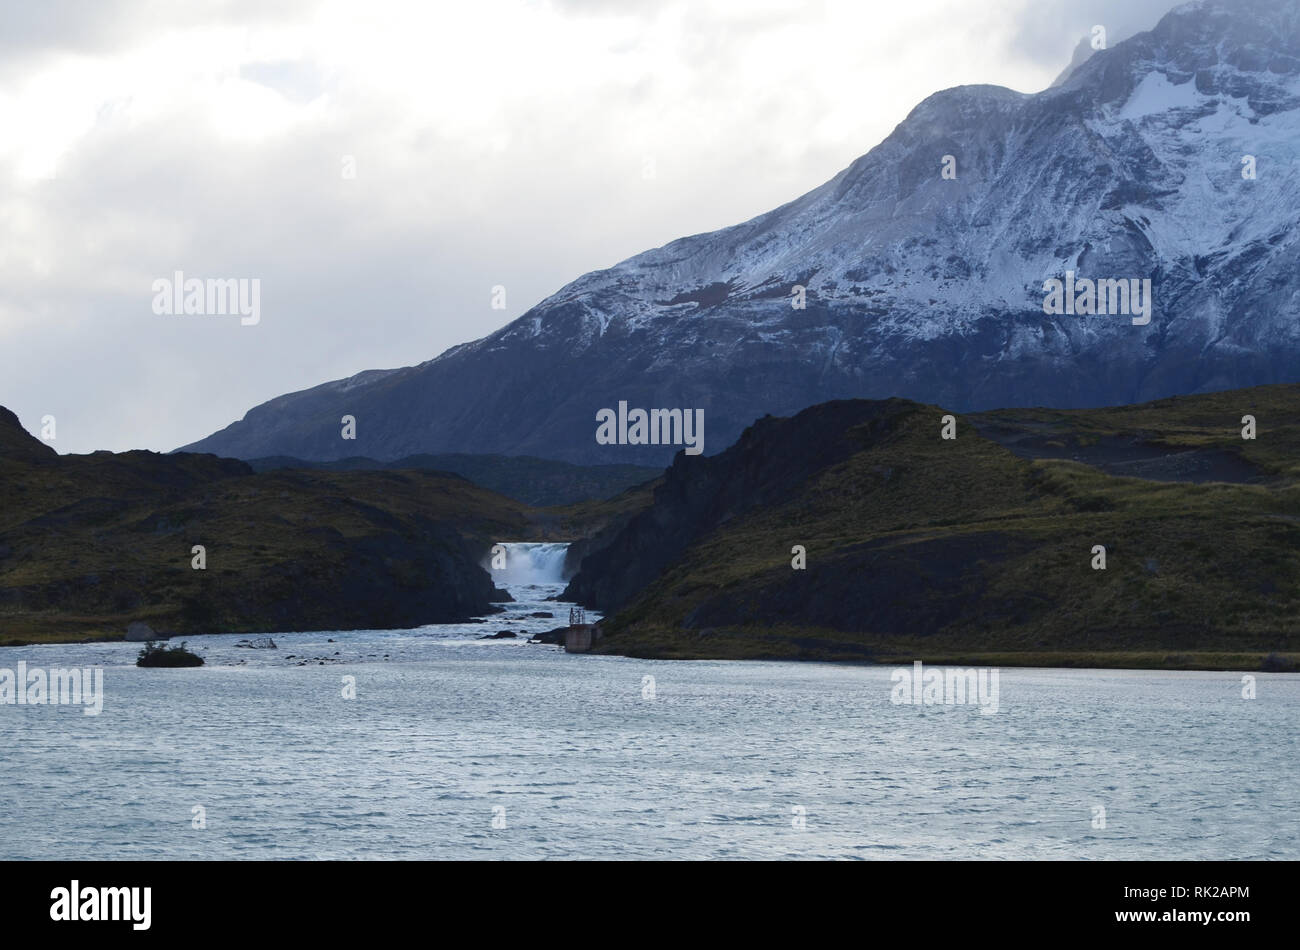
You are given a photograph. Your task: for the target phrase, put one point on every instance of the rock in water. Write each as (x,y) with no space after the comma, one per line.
(259,643)
(139,632)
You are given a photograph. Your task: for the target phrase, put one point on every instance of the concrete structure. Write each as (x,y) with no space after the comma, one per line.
(580,636)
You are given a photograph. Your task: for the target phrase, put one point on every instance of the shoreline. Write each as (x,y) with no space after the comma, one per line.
(1244,661)
(1136,661)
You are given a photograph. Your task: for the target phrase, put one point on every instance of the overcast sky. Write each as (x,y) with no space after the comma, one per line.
(518,143)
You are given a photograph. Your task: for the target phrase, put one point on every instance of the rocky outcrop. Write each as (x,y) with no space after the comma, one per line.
(18,444)
(139,632)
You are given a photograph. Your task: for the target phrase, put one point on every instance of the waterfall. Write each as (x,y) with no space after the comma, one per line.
(530,562)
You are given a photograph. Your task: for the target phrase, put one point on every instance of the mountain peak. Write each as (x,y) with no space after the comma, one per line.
(1083,51)
(919,271)
(1235,48)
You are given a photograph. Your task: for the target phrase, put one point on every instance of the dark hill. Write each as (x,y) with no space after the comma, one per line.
(89,543)
(17,443)
(982,546)
(534,481)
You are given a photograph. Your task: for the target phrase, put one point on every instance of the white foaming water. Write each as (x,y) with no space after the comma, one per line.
(531,564)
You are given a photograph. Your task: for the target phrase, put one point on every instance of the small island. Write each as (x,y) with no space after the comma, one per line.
(155,654)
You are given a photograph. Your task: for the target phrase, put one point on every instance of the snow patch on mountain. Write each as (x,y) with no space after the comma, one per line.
(1155,94)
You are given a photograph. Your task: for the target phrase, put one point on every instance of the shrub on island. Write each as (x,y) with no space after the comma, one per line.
(155,655)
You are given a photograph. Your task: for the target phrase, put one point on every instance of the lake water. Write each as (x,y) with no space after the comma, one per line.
(461,748)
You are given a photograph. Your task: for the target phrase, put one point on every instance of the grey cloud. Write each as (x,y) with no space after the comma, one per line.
(33,27)
(1048,31)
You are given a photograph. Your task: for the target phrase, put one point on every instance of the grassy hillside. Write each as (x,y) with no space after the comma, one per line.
(90,543)
(980,547)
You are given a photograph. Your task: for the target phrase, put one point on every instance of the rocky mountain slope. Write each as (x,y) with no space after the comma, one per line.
(916,284)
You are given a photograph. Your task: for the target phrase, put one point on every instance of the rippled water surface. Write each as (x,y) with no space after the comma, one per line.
(446,731)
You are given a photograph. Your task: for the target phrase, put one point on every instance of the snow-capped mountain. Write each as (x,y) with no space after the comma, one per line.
(1173,156)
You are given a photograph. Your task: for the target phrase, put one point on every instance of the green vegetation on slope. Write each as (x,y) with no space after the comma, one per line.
(90,543)
(919,547)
